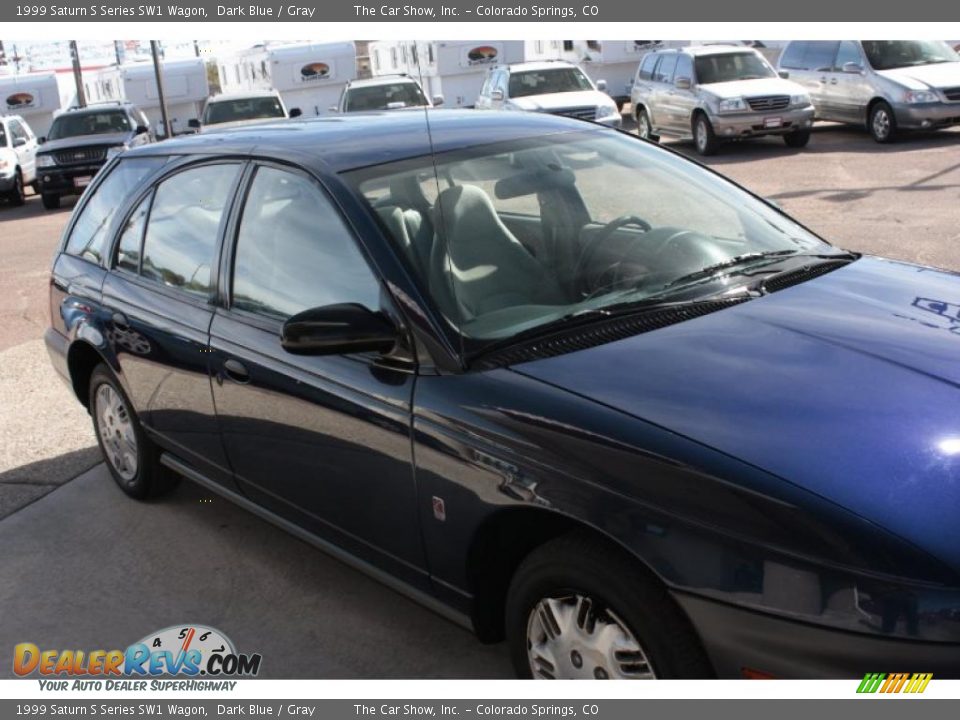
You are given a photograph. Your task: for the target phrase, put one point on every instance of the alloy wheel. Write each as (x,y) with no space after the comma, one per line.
(643,126)
(117,432)
(576,637)
(881,124)
(701,134)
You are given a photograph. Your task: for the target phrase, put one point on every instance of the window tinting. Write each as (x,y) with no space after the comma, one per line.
(131,238)
(89,236)
(294,251)
(182,231)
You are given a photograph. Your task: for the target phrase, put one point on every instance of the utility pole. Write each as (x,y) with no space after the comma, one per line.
(77,74)
(155,51)
(196,48)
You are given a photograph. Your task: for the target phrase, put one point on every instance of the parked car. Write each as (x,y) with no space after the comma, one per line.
(238,109)
(715,93)
(18,161)
(385,92)
(554,87)
(560,384)
(80,142)
(884,85)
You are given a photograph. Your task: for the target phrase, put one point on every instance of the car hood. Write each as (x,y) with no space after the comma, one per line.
(922,77)
(753,88)
(85,141)
(560,101)
(847,385)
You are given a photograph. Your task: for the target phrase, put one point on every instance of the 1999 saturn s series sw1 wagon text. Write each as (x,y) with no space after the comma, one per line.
(558,383)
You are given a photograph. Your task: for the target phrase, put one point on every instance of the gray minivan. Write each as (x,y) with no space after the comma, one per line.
(886,85)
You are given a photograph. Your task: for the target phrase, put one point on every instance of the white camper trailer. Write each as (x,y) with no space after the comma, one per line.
(453,69)
(33,96)
(309,77)
(185,90)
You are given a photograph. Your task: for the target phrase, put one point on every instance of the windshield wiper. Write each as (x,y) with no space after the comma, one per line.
(711,270)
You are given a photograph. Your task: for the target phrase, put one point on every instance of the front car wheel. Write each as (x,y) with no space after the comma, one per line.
(883,123)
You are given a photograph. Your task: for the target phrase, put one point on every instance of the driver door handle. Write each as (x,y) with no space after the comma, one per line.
(236,371)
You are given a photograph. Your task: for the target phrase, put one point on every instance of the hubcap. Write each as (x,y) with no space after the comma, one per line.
(643,127)
(701,134)
(116,431)
(572,637)
(881,123)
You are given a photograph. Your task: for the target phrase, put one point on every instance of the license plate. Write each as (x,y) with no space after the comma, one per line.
(82,181)
(772,122)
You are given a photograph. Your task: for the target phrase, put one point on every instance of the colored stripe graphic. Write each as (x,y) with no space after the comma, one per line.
(883,683)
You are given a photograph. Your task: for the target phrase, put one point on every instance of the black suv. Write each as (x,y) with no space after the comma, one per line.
(81,141)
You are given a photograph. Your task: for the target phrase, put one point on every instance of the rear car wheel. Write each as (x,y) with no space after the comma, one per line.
(797,139)
(704,137)
(883,123)
(51,201)
(578,607)
(133,460)
(17,196)
(644,128)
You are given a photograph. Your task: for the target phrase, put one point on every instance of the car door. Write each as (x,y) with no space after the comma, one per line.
(643,83)
(159,299)
(323,441)
(683,100)
(818,60)
(662,87)
(25,147)
(849,92)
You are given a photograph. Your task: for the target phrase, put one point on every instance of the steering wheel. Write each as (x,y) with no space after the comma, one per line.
(590,248)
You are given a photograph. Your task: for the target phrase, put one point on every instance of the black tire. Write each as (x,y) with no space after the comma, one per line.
(882,123)
(797,139)
(17,195)
(704,139)
(150,479)
(35,186)
(582,564)
(643,121)
(51,201)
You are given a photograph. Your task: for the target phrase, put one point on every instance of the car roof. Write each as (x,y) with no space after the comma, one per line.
(252,94)
(340,143)
(97,107)
(699,50)
(539,65)
(382,80)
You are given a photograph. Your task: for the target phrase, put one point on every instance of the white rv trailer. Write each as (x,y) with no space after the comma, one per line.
(33,96)
(185,89)
(308,76)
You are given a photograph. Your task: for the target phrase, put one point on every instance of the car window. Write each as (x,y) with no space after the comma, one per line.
(89,235)
(254,108)
(383,97)
(817,55)
(553,80)
(792,57)
(294,251)
(727,67)
(684,67)
(665,69)
(849,52)
(181,238)
(889,54)
(131,237)
(17,131)
(646,67)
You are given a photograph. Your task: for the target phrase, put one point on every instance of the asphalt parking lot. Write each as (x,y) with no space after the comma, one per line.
(83,567)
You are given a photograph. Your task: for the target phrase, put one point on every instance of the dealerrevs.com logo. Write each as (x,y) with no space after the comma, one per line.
(887,683)
(188,651)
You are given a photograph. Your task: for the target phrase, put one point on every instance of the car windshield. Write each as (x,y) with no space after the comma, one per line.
(728,67)
(257,108)
(889,54)
(510,236)
(384,97)
(550,80)
(89,123)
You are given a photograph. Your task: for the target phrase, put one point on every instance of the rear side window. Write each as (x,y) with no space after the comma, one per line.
(131,238)
(294,251)
(646,67)
(181,238)
(88,239)
(814,55)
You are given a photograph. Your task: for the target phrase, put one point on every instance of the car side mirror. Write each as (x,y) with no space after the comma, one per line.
(852,68)
(437,100)
(496,95)
(337,330)
(141,130)
(602,85)
(193,123)
(41,140)
(333,109)
(295,112)
(683,83)
(19,142)
(784,74)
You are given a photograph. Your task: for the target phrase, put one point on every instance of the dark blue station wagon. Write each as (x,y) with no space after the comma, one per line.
(562,385)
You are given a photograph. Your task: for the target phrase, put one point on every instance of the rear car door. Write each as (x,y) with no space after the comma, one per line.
(849,93)
(323,441)
(160,302)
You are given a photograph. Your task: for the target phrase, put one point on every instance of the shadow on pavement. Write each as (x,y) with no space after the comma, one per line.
(22,485)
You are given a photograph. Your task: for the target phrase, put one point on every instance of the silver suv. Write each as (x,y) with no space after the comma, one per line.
(886,85)
(717,93)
